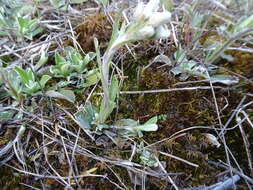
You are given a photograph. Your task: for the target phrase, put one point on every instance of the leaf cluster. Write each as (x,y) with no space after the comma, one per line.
(15,19)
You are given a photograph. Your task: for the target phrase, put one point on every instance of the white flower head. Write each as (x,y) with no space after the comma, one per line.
(147,32)
(152,6)
(162,32)
(159,18)
(147,23)
(154,21)
(139,10)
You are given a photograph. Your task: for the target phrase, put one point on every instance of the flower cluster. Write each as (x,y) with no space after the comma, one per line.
(147,23)
(155,21)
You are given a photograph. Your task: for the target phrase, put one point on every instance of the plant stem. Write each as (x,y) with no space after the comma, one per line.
(105,68)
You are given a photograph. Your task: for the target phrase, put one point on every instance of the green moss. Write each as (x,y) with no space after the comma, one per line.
(94,26)
(183,109)
(11,180)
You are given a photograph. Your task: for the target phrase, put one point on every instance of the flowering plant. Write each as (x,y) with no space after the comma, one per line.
(147,23)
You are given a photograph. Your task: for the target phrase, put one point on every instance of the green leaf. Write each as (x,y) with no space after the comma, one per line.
(162,59)
(91,113)
(86,117)
(78,1)
(55,69)
(89,57)
(23,24)
(100,128)
(44,79)
(82,120)
(33,32)
(14,86)
(59,60)
(244,23)
(31,88)
(128,128)
(104,2)
(62,94)
(150,125)
(92,77)
(59,4)
(148,159)
(196,20)
(97,52)
(62,84)
(152,120)
(42,61)
(114,89)
(66,69)
(176,70)
(25,76)
(30,75)
(162,117)
(105,111)
(127,122)
(180,55)
(28,28)
(76,59)
(6,115)
(131,127)
(147,127)
(3,94)
(168,4)
(224,79)
(115,31)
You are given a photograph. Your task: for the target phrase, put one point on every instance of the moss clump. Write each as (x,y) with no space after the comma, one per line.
(12,180)
(94,26)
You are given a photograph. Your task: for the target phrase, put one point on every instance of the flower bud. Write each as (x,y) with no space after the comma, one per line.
(159,18)
(152,6)
(146,32)
(139,10)
(162,32)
